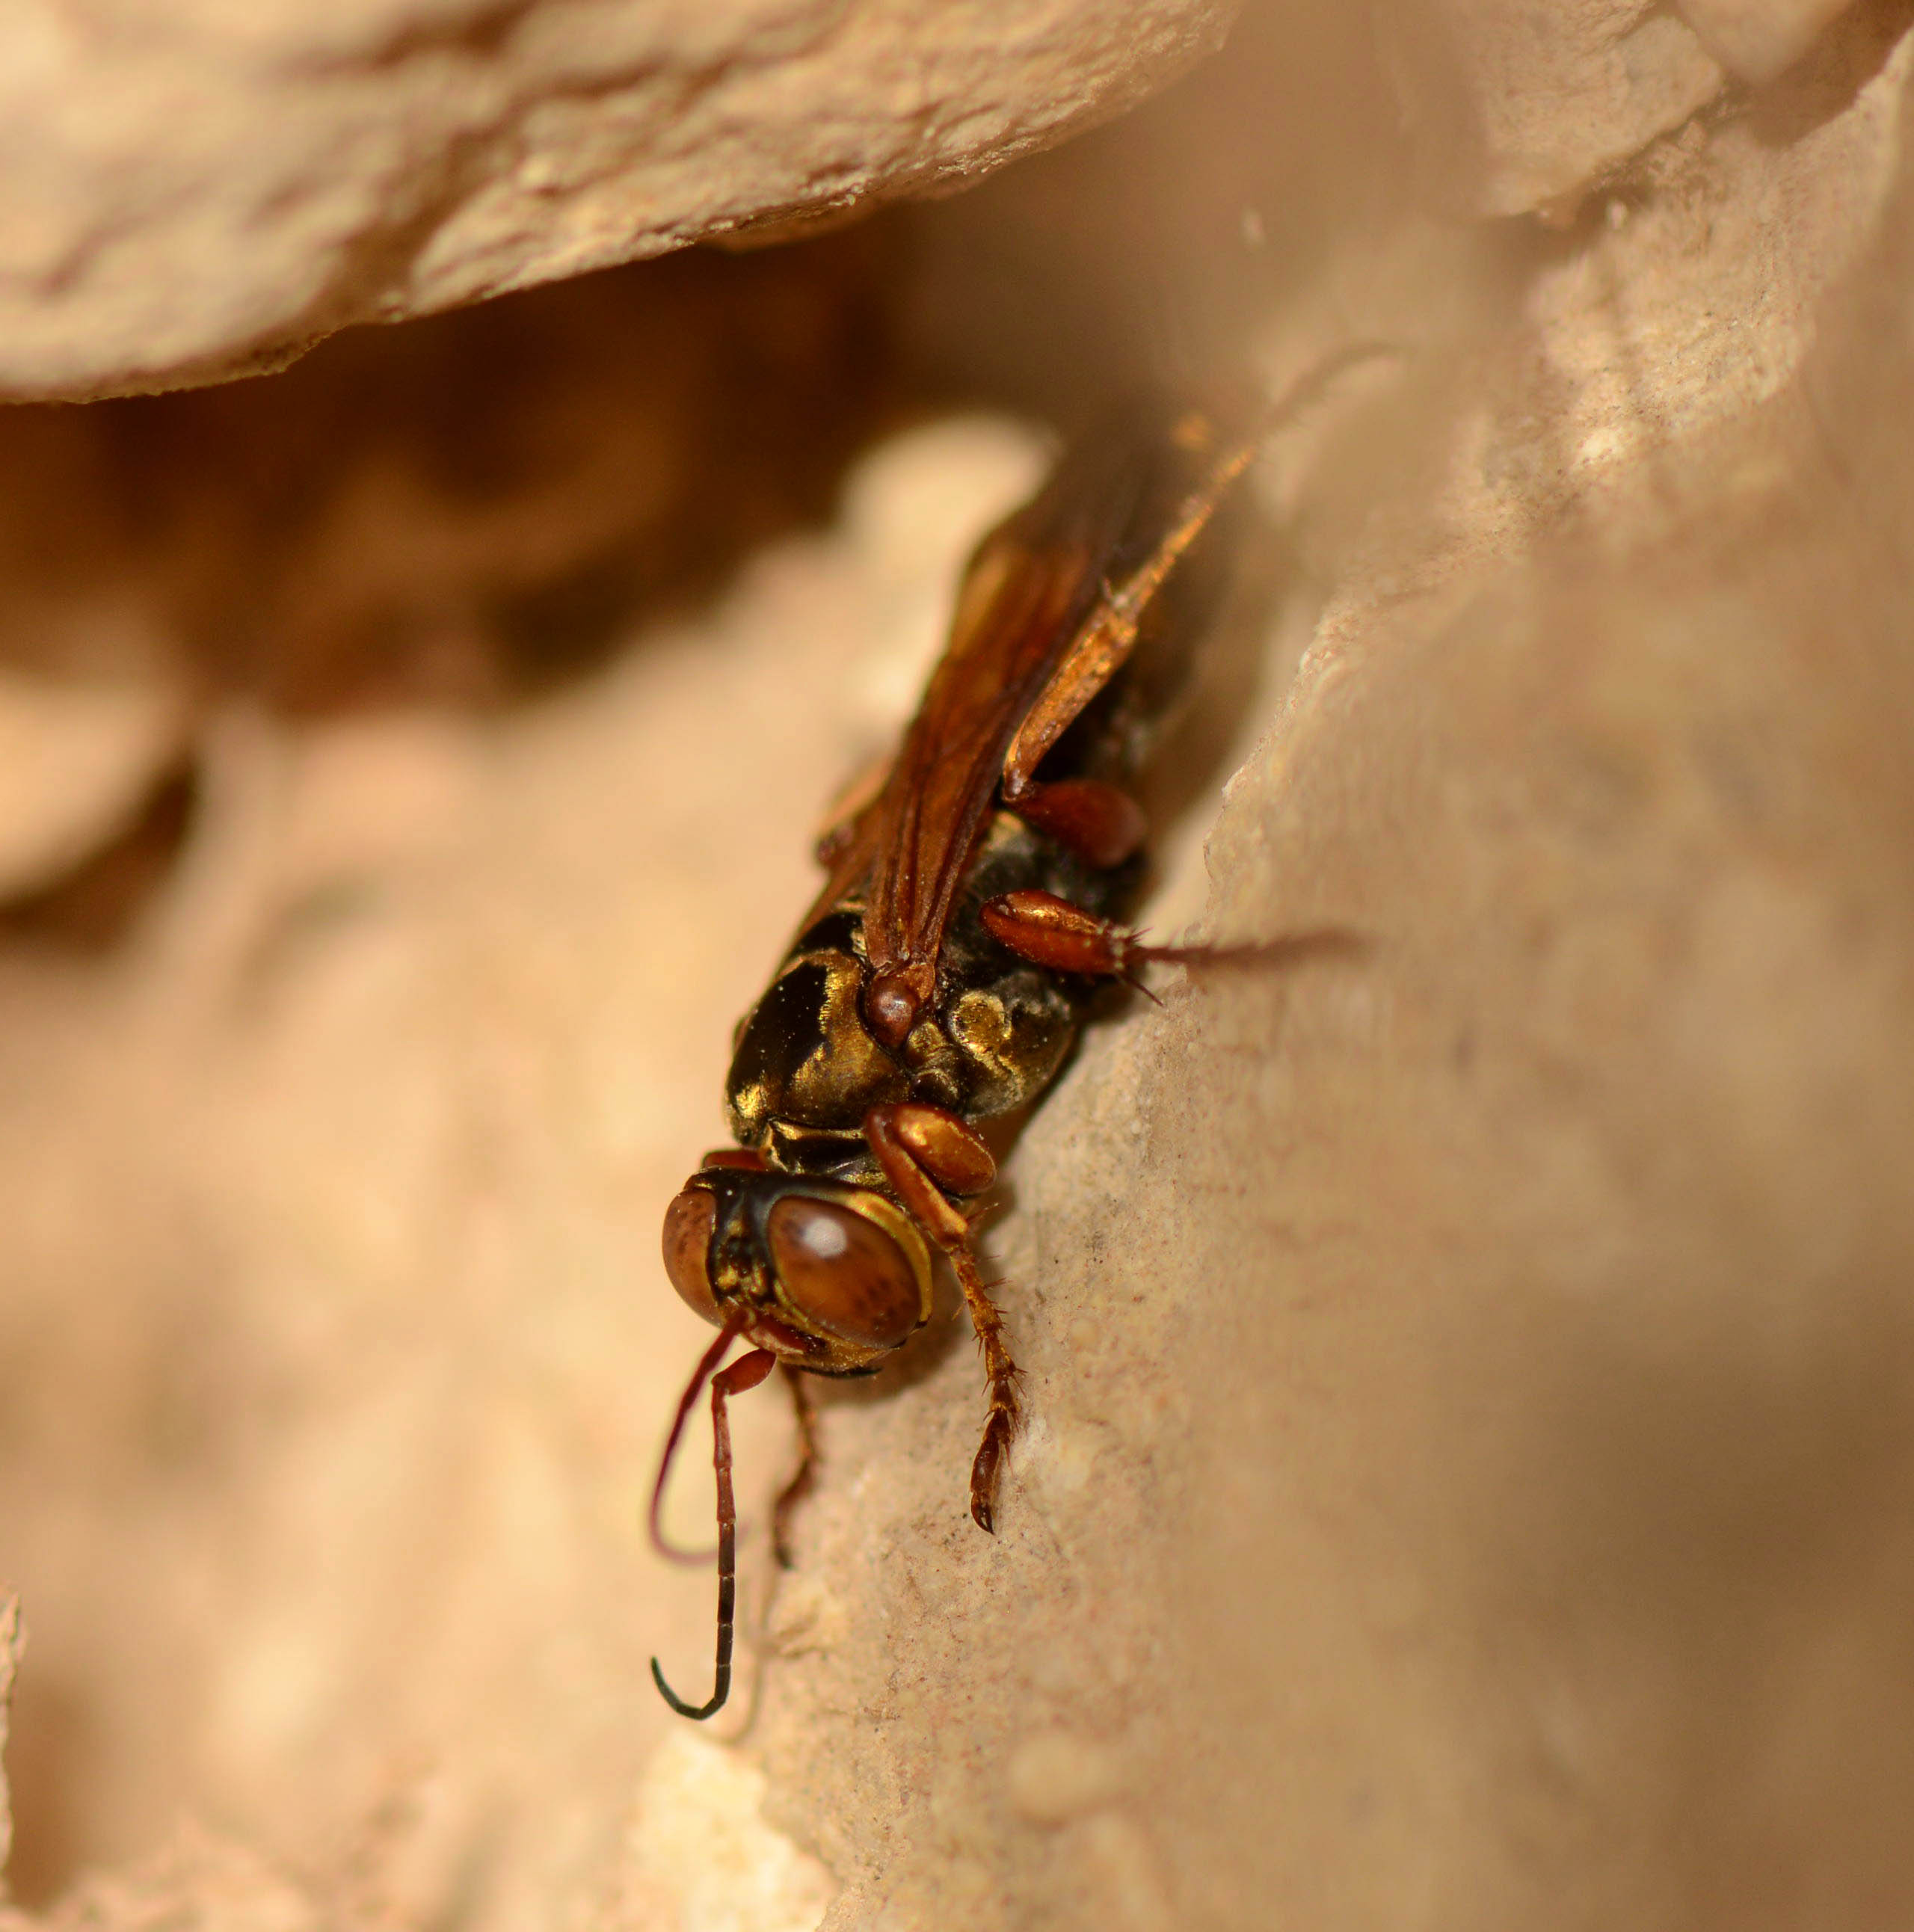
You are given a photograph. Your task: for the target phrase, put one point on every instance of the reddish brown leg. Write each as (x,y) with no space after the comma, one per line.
(746,1373)
(794,1492)
(1050,931)
(1102,825)
(1000,1424)
(918,1147)
(922,1141)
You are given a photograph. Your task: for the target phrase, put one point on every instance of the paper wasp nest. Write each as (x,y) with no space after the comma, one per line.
(1469,1453)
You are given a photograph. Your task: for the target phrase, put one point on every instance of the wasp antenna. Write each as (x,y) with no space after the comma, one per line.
(746,1373)
(715,1703)
(707,1366)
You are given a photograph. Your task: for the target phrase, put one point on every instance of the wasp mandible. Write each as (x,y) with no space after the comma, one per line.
(974,906)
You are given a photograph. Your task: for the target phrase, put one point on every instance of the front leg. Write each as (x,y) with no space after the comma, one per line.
(927,1152)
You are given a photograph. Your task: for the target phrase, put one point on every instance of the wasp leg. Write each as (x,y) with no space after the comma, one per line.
(923,1151)
(917,1144)
(1050,931)
(794,1492)
(746,1373)
(1005,1413)
(1102,825)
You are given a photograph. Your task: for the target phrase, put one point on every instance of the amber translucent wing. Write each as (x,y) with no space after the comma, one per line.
(1043,581)
(1102,644)
(904,845)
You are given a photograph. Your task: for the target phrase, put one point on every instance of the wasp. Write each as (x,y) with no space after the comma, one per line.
(974,906)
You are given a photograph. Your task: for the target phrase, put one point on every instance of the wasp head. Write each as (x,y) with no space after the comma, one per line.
(827,1275)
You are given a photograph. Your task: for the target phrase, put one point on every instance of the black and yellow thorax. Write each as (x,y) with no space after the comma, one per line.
(807,1068)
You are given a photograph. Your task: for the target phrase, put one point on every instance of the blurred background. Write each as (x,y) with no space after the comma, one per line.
(408,760)
(363,719)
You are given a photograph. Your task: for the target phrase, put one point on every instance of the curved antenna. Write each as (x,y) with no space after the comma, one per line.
(746,1373)
(707,1364)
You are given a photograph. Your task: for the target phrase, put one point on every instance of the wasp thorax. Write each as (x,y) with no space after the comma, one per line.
(688,1222)
(844,1275)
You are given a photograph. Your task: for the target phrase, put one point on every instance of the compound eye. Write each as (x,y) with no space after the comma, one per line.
(844,1274)
(688,1222)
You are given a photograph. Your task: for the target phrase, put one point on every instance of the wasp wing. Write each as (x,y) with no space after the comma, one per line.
(1082,561)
